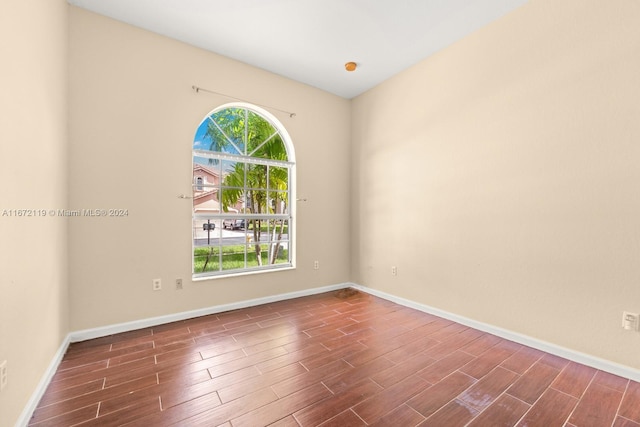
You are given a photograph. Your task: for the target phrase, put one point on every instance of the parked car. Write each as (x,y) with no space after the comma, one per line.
(233,224)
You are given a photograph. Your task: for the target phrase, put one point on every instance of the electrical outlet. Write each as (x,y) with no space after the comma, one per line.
(3,375)
(630,321)
(157,284)
(316,265)
(178,284)
(394,270)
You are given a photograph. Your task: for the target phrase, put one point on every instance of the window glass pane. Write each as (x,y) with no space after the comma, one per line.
(232,201)
(257,201)
(233,223)
(233,173)
(200,140)
(282,254)
(206,259)
(255,252)
(278,178)
(206,178)
(279,230)
(257,176)
(260,131)
(278,202)
(233,257)
(227,130)
(274,149)
(232,196)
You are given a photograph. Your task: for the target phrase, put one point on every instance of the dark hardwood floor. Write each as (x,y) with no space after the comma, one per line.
(330,361)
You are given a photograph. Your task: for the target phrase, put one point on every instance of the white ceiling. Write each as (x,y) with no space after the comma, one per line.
(311,40)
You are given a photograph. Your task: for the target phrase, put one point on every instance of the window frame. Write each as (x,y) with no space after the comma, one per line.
(288,218)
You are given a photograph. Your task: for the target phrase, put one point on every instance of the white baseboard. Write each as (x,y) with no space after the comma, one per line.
(31,405)
(576,356)
(103,331)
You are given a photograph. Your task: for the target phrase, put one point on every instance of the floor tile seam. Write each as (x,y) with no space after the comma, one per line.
(488,372)
(460,348)
(611,388)
(67,359)
(474,382)
(345,361)
(399,364)
(214,347)
(298,409)
(565,393)
(522,400)
(521,375)
(468,354)
(412,409)
(220,403)
(90,362)
(262,373)
(66,412)
(501,393)
(356,414)
(104,380)
(614,389)
(530,366)
(57,402)
(82,422)
(329,419)
(124,365)
(624,418)
(620,403)
(59,382)
(352,408)
(504,393)
(295,419)
(225,363)
(455,399)
(580,398)
(182,417)
(188,339)
(120,408)
(270,313)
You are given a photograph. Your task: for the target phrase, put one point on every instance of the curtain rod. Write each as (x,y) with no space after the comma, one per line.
(198,89)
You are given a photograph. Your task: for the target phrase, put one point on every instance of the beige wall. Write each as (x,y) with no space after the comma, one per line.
(33,165)
(501,176)
(133,118)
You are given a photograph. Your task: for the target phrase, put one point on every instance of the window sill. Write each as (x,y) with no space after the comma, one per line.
(198,278)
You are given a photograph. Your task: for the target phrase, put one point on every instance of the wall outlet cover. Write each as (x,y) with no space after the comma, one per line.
(3,375)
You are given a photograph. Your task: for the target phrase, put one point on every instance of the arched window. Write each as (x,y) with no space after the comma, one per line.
(242,210)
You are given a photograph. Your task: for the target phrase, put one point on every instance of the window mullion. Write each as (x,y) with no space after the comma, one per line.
(229,140)
(263,142)
(235,158)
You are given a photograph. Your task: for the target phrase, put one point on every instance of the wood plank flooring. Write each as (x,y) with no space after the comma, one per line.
(330,361)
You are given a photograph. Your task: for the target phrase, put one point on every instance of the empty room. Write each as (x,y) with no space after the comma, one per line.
(304,213)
